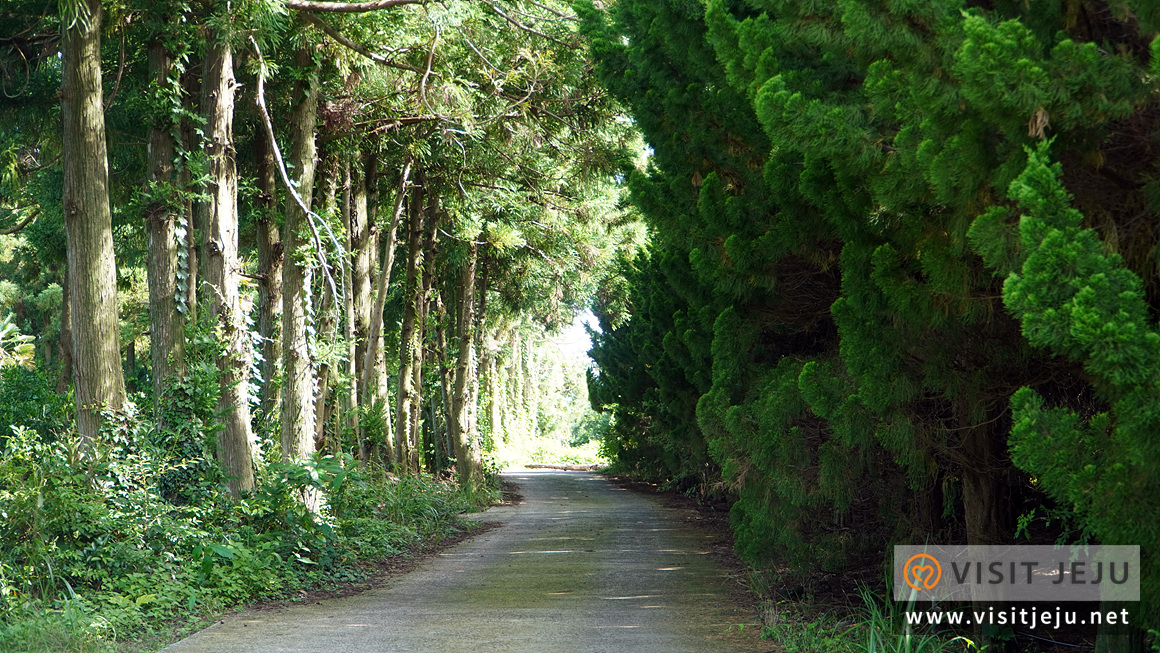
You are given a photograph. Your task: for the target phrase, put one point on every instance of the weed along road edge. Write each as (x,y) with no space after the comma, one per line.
(580,566)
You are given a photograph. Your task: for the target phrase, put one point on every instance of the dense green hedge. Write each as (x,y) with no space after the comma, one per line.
(904,267)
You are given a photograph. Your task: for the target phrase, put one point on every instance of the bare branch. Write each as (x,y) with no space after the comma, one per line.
(348,7)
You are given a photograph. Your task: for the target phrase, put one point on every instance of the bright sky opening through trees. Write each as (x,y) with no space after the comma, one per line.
(870,272)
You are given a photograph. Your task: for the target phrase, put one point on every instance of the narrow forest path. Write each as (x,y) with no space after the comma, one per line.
(579,566)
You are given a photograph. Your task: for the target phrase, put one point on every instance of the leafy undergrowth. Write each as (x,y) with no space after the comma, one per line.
(103,546)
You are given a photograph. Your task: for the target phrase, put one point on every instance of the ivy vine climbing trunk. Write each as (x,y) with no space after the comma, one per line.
(97,376)
(297,372)
(219,217)
(167,280)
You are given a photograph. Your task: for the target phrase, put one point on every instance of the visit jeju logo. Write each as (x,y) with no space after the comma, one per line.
(922,571)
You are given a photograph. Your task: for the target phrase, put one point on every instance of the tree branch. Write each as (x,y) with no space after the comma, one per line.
(311,216)
(361,49)
(22,224)
(348,7)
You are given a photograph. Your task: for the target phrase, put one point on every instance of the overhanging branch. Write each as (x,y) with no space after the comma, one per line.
(348,7)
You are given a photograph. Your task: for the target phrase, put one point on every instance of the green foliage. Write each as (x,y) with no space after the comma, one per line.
(839,283)
(1075,298)
(91,551)
(28,399)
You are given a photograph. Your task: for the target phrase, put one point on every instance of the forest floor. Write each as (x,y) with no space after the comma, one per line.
(580,564)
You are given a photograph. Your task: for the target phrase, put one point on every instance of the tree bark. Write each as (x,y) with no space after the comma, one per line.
(98,379)
(166,321)
(270,255)
(297,372)
(408,339)
(219,217)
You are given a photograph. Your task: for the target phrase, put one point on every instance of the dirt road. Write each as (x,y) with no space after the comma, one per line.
(580,566)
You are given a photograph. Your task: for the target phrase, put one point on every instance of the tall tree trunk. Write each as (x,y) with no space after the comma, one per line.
(460,423)
(362,244)
(327,330)
(477,331)
(192,85)
(166,322)
(326,323)
(409,339)
(297,373)
(427,264)
(446,445)
(355,231)
(494,428)
(374,380)
(270,255)
(98,379)
(219,218)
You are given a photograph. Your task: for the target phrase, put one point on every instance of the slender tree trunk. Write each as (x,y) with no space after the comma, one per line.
(446,445)
(361,244)
(326,325)
(409,338)
(297,373)
(328,329)
(98,379)
(374,380)
(427,263)
(193,230)
(354,210)
(460,423)
(219,218)
(494,428)
(166,322)
(477,331)
(270,255)
(65,373)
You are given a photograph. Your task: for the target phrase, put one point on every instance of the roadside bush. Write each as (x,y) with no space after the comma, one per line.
(92,550)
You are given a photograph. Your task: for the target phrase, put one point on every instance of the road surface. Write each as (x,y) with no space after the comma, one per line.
(580,566)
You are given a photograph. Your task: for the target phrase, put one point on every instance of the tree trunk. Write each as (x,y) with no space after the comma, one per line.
(374,380)
(327,330)
(297,373)
(408,339)
(166,279)
(427,263)
(361,244)
(460,423)
(219,218)
(270,255)
(65,373)
(446,444)
(98,379)
(354,210)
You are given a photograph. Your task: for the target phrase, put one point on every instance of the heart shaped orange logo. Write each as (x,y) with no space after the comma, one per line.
(922,571)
